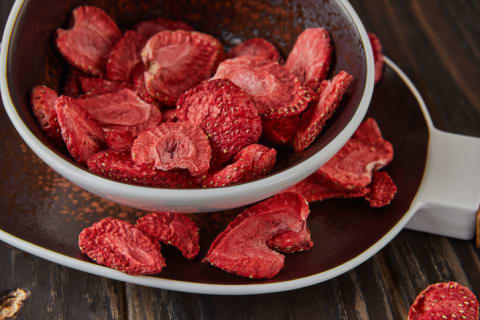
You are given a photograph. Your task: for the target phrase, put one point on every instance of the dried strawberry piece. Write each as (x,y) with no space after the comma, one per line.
(175,229)
(139,86)
(123,58)
(96,86)
(122,110)
(242,247)
(314,119)
(275,92)
(88,43)
(72,87)
(351,168)
(255,47)
(382,190)
(233,173)
(310,57)
(170,115)
(445,300)
(225,113)
(291,242)
(280,131)
(377,55)
(118,165)
(43,106)
(120,245)
(119,139)
(176,61)
(174,146)
(146,29)
(82,135)
(263,160)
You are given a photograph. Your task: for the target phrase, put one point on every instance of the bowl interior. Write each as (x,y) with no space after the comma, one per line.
(33,58)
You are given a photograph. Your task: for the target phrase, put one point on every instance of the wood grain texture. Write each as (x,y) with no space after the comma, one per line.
(436,44)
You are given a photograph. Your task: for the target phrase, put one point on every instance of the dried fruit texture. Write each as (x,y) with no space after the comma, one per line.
(280,131)
(377,55)
(382,190)
(146,29)
(174,146)
(139,86)
(82,135)
(314,119)
(170,115)
(72,87)
(118,165)
(255,47)
(275,92)
(96,86)
(352,167)
(43,106)
(87,44)
(310,57)
(263,160)
(176,61)
(175,229)
(225,113)
(291,242)
(122,110)
(123,58)
(445,300)
(242,247)
(119,139)
(230,174)
(120,245)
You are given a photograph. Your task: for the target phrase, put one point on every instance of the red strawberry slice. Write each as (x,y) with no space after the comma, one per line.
(255,47)
(242,247)
(118,165)
(263,160)
(174,146)
(377,55)
(445,300)
(382,190)
(96,86)
(175,229)
(233,173)
(176,61)
(43,106)
(280,131)
(275,92)
(120,245)
(119,139)
(72,87)
(122,110)
(139,86)
(310,57)
(88,43)
(146,29)
(225,113)
(314,119)
(291,242)
(123,58)
(82,135)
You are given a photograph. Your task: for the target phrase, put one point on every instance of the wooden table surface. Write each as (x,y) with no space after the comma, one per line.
(437,45)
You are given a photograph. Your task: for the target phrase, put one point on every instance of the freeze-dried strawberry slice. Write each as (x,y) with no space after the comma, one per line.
(175,229)
(176,61)
(314,119)
(242,247)
(445,300)
(118,165)
(275,92)
(88,43)
(95,86)
(291,242)
(43,107)
(72,87)
(377,55)
(123,58)
(120,245)
(170,115)
(255,47)
(233,173)
(382,190)
(310,57)
(263,160)
(174,146)
(122,110)
(225,113)
(280,131)
(139,86)
(82,135)
(119,139)
(146,29)
(351,168)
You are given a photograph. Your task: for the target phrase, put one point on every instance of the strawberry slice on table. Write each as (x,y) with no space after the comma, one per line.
(82,135)
(382,190)
(146,29)
(87,44)
(175,229)
(311,56)
(275,92)
(255,47)
(291,241)
(96,86)
(314,119)
(43,106)
(176,61)
(123,58)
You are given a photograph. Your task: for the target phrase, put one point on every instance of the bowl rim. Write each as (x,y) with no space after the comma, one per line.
(283,178)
